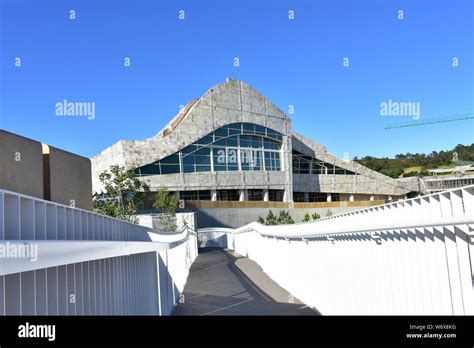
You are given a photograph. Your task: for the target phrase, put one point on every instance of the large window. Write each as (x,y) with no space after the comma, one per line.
(319,197)
(225,158)
(251,158)
(204,195)
(255,195)
(167,165)
(309,165)
(298,196)
(272,160)
(275,195)
(314,197)
(237,146)
(227,195)
(196,160)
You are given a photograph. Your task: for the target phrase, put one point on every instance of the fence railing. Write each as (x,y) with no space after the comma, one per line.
(408,257)
(59,260)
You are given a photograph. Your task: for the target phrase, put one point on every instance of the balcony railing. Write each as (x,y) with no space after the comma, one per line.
(408,257)
(59,260)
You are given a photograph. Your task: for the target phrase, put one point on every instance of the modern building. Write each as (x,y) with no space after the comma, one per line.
(448,178)
(234,144)
(441,179)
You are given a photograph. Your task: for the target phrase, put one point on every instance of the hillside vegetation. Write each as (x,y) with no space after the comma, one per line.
(417,164)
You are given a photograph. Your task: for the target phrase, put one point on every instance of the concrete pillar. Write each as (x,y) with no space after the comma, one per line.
(306,197)
(351,198)
(213,195)
(329,198)
(287,195)
(265,195)
(243,195)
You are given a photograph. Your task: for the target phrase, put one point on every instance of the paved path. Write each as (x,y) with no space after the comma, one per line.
(223,283)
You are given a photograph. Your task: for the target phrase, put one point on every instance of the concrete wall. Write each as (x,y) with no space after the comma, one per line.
(21,165)
(218,180)
(238,217)
(153,220)
(25,169)
(350,184)
(145,220)
(70,178)
(186,219)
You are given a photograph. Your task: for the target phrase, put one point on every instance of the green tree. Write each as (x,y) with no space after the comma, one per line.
(260,220)
(315,216)
(125,194)
(166,201)
(168,204)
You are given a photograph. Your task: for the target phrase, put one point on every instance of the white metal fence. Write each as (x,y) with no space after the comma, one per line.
(412,257)
(59,260)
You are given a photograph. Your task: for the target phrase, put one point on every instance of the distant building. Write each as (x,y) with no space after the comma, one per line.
(441,179)
(458,170)
(233,144)
(449,178)
(42,171)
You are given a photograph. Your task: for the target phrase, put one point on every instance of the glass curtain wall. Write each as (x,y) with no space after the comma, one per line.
(234,147)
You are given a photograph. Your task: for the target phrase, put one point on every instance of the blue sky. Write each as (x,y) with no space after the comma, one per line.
(297,62)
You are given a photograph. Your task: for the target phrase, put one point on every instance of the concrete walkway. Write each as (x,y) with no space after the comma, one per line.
(224,283)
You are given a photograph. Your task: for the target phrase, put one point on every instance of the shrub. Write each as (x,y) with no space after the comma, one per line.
(306,217)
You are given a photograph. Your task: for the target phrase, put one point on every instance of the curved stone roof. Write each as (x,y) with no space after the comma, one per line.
(225,103)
